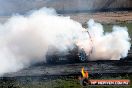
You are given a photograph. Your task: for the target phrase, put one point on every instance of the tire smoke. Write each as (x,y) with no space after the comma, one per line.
(24,40)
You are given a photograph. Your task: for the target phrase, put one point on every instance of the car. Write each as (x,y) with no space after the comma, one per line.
(75,55)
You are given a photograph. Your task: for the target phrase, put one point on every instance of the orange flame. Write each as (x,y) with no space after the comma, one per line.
(84,73)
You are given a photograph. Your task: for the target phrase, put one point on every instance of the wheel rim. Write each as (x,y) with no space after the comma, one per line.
(82,56)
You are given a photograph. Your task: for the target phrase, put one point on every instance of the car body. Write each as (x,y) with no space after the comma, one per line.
(74,55)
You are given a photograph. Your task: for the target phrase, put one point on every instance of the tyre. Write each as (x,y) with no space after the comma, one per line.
(82,55)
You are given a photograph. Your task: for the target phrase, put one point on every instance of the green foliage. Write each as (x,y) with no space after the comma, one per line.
(8,83)
(61,82)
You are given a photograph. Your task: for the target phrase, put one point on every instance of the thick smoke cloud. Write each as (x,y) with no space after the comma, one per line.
(108,46)
(24,40)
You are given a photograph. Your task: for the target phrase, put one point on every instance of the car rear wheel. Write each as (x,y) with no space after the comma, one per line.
(82,55)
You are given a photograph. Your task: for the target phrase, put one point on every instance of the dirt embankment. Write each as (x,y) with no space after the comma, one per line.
(64,6)
(79,10)
(104,17)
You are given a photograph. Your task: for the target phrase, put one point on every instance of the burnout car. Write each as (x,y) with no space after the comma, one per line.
(74,55)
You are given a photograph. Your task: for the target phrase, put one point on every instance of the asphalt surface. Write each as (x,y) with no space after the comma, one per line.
(93,67)
(101,67)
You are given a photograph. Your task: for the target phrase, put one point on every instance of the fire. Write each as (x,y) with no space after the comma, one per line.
(84,81)
(84,73)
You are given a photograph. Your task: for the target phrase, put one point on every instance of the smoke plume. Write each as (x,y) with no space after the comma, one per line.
(108,46)
(24,40)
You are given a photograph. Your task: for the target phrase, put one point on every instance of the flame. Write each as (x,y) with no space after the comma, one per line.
(84,73)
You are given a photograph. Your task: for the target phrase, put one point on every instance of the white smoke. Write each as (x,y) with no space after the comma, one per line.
(25,39)
(108,46)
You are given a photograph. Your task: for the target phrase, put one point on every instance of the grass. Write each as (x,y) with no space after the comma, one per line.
(61,82)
